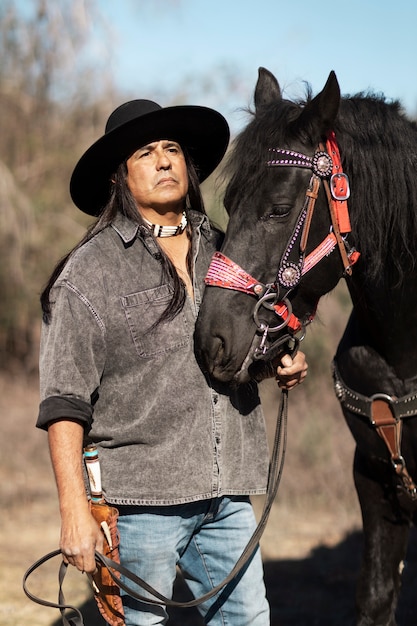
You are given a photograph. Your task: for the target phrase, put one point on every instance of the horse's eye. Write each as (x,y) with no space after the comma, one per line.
(279,210)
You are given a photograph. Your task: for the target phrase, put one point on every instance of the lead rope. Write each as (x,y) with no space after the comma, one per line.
(276,467)
(61,604)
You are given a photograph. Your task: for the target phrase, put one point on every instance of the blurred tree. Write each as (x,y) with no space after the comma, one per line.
(45,77)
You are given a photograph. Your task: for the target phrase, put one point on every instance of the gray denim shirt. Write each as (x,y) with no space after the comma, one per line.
(165,434)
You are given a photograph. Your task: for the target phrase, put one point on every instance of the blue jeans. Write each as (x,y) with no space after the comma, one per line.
(204,539)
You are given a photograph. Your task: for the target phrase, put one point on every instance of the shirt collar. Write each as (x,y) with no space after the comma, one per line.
(125,228)
(200,220)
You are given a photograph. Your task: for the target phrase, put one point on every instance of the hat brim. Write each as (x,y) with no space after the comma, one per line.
(202,131)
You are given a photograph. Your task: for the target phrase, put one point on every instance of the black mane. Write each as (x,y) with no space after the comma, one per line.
(245,167)
(378,144)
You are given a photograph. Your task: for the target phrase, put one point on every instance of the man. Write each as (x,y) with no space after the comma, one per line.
(178,458)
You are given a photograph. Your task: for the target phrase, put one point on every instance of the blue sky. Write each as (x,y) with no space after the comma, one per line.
(162,48)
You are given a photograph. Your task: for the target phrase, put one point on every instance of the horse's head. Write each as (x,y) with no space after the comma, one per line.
(279,222)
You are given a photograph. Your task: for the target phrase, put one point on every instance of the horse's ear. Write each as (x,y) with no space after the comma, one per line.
(321,112)
(267,88)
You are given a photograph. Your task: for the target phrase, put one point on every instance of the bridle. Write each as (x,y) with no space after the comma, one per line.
(326,168)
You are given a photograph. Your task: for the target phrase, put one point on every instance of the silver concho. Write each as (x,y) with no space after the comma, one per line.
(322,164)
(339,391)
(289,275)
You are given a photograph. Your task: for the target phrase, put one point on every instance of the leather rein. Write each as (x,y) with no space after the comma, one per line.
(326,168)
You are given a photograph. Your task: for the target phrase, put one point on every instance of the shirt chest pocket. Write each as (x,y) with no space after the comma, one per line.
(142,310)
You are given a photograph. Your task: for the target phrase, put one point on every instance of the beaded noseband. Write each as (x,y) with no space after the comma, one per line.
(327,169)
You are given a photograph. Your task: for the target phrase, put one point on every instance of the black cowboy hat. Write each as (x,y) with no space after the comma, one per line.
(202,131)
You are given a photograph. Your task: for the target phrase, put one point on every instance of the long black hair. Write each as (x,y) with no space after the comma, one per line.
(121,201)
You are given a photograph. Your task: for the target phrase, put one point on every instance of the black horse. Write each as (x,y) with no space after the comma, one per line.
(289,240)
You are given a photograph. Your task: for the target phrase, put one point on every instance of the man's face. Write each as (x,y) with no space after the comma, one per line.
(157,177)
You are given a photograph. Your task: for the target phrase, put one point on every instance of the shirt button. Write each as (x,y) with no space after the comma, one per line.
(215,398)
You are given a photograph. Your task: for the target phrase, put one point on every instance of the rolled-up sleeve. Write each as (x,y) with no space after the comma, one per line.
(56,408)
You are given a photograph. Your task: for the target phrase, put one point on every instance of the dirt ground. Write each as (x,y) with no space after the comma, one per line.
(311,553)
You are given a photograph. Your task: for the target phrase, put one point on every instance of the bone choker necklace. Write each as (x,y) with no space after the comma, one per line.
(167,231)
